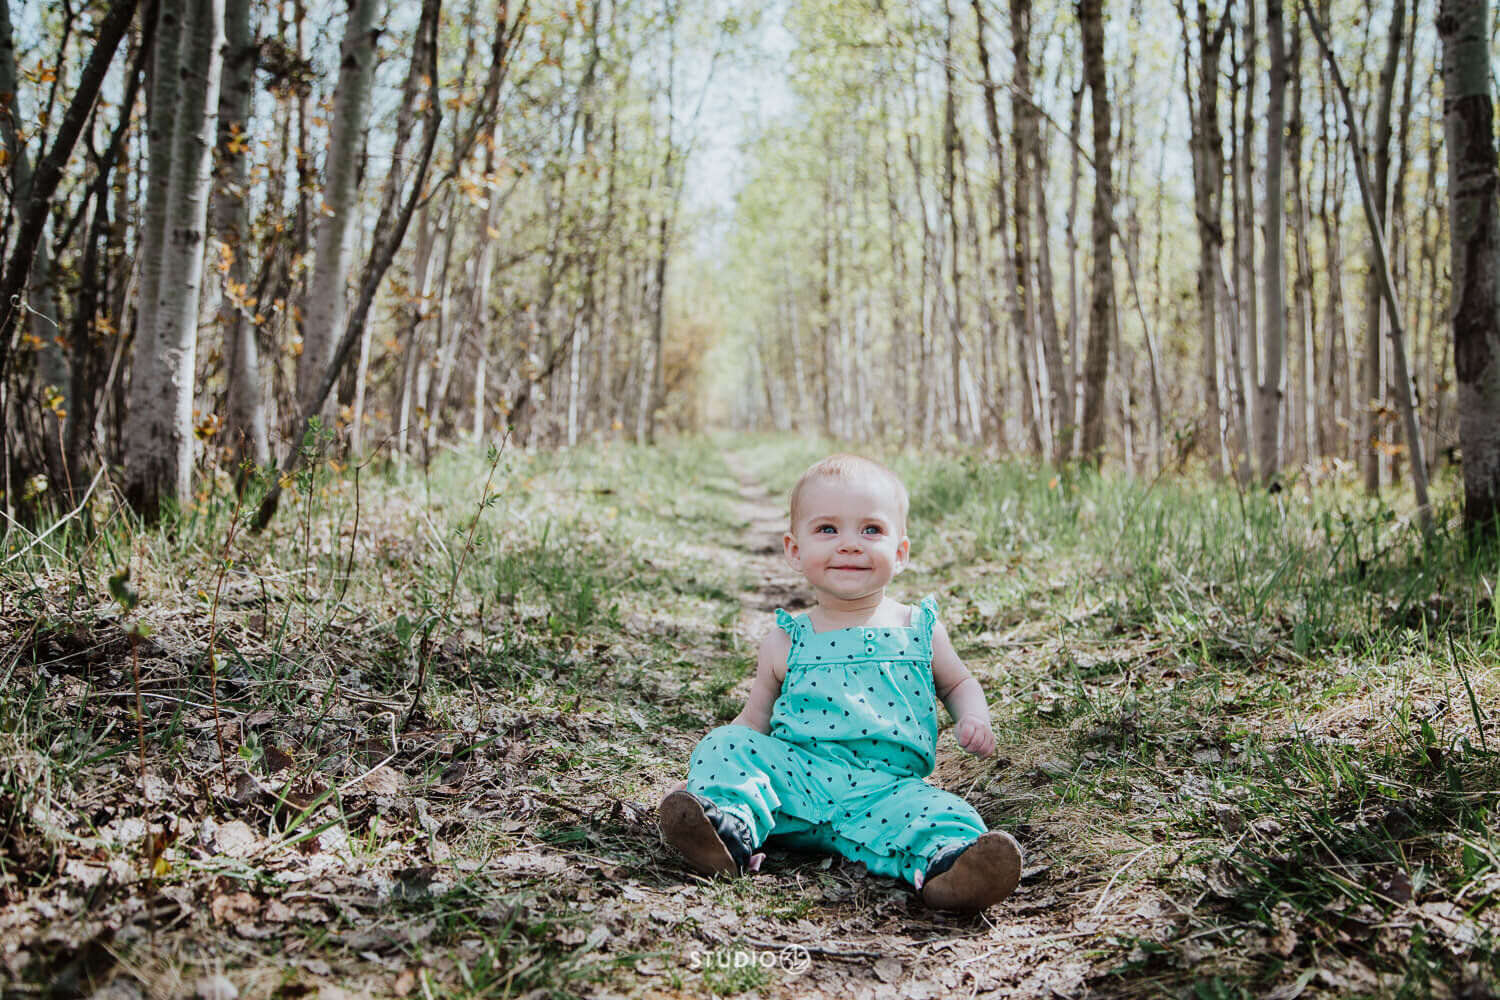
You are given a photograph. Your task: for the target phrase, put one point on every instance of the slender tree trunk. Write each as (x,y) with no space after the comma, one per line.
(1373,460)
(1045,310)
(1006,250)
(1268,423)
(1075,343)
(1305,325)
(1207,147)
(245,427)
(92,363)
(1037,366)
(951,151)
(161,117)
(412,355)
(1102,301)
(1247,342)
(1473,196)
(159,438)
(327,293)
(307,178)
(1339,417)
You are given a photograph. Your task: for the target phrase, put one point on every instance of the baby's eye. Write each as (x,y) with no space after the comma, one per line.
(873,529)
(824,529)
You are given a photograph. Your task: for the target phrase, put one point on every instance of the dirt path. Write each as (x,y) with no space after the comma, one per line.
(868,936)
(777,586)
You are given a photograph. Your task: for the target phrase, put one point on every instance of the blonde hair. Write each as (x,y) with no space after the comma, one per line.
(851,468)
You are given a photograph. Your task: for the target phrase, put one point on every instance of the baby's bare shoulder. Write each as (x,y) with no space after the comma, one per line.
(775,647)
(775,641)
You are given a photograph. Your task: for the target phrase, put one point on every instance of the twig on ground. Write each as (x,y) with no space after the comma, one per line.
(1103,896)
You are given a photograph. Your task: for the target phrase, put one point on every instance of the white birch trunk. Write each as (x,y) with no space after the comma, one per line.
(159,436)
(245,427)
(323,321)
(161,116)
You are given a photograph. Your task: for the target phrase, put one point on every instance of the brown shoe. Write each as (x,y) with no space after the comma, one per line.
(982,875)
(685,825)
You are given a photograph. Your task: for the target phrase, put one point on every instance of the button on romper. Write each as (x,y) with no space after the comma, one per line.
(853,733)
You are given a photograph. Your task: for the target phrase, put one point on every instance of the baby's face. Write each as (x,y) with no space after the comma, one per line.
(848,539)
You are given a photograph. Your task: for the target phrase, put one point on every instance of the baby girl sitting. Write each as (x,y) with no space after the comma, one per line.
(840,726)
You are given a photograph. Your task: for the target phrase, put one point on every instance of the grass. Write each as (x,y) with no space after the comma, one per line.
(1244,738)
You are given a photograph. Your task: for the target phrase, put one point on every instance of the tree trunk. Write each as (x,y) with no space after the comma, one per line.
(159,438)
(1207,147)
(1074,408)
(1305,326)
(449,338)
(1102,301)
(245,427)
(1247,340)
(1336,389)
(952,150)
(1268,423)
(1006,253)
(1044,308)
(1037,376)
(92,366)
(1473,196)
(1373,459)
(161,117)
(327,292)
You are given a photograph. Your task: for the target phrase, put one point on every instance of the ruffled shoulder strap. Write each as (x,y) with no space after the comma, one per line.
(793,626)
(924,618)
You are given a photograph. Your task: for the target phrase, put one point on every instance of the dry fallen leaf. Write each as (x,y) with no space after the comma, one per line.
(215,988)
(1398,889)
(1283,943)
(235,839)
(382,781)
(235,906)
(278,759)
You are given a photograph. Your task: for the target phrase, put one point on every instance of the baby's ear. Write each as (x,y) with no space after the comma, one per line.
(791,552)
(903,553)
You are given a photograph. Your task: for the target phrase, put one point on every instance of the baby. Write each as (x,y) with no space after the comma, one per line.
(840,726)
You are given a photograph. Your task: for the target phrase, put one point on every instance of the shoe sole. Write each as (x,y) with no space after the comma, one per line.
(984,875)
(685,826)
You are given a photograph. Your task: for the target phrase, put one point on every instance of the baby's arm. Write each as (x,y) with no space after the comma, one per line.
(770,671)
(962,696)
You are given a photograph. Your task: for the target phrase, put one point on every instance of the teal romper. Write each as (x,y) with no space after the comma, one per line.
(853,733)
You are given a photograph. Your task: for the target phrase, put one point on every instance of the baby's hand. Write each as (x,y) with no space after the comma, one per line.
(975,735)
